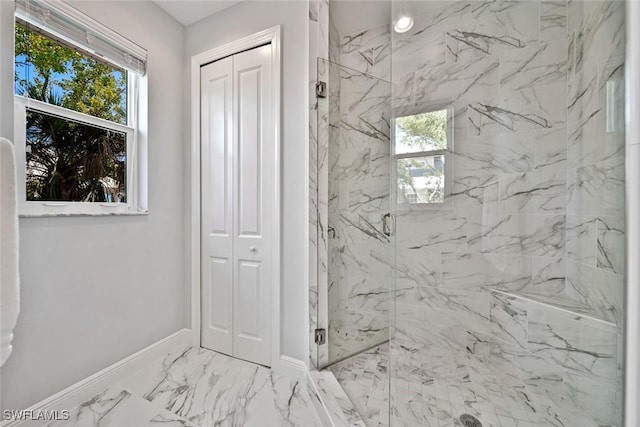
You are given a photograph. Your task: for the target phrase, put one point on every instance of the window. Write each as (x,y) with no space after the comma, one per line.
(77,91)
(421,144)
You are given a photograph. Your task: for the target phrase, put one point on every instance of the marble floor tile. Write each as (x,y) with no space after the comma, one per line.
(492,387)
(199,387)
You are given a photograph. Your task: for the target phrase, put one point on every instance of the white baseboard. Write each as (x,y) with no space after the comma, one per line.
(292,368)
(84,390)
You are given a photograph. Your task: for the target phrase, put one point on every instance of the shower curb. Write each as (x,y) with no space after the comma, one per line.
(332,401)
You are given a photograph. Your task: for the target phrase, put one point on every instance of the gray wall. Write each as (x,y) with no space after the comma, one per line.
(6,69)
(95,290)
(231,24)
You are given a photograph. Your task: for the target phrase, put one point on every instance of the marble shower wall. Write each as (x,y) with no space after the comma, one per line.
(358,186)
(525,258)
(349,193)
(318,145)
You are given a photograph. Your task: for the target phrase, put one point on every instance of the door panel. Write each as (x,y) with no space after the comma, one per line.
(248,294)
(216,109)
(255,192)
(238,190)
(249,150)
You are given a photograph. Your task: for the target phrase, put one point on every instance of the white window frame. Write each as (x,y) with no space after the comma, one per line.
(448,164)
(135,129)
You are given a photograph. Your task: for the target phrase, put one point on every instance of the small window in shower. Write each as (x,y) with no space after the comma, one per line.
(421,144)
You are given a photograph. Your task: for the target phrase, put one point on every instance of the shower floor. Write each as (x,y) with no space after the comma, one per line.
(364,378)
(469,386)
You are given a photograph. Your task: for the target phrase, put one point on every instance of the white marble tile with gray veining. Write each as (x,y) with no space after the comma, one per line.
(600,292)
(581,345)
(496,153)
(494,33)
(550,147)
(597,189)
(611,244)
(527,109)
(208,388)
(535,65)
(477,271)
(581,234)
(548,276)
(540,191)
(510,317)
(472,80)
(593,397)
(553,20)
(537,235)
(368,51)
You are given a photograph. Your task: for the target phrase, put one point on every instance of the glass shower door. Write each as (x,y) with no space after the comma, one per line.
(355,228)
(510,222)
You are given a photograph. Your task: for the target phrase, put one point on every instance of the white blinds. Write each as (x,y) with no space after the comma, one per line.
(67,23)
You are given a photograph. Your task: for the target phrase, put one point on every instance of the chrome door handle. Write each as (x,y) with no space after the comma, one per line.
(253,249)
(388,224)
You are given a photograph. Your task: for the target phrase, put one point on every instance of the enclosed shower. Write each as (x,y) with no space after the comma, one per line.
(468,210)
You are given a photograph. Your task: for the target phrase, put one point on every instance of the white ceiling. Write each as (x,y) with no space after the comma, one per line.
(350,16)
(189,11)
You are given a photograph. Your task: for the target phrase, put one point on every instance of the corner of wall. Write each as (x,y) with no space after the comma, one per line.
(6,69)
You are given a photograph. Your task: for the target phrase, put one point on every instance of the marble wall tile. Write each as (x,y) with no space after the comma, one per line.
(441,15)
(492,7)
(550,147)
(534,65)
(417,50)
(581,234)
(592,397)
(510,316)
(553,20)
(417,267)
(368,51)
(485,271)
(527,109)
(517,272)
(496,153)
(548,276)
(496,32)
(539,191)
(542,377)
(600,292)
(611,244)
(600,34)
(581,345)
(477,195)
(597,189)
(429,301)
(443,231)
(473,80)
(536,235)
(358,195)
(589,143)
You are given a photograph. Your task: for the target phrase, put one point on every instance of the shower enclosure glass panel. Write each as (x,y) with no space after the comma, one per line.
(353,198)
(510,239)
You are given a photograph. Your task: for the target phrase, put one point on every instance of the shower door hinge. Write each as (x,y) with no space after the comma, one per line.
(321,89)
(321,336)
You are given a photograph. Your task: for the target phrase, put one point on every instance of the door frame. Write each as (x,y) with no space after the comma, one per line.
(271,35)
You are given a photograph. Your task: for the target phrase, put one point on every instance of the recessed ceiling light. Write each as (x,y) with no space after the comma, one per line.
(403,24)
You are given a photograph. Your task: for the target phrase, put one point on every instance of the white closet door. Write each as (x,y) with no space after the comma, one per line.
(254,187)
(238,189)
(216,112)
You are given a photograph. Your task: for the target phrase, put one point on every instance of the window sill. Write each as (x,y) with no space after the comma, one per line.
(40,211)
(67,214)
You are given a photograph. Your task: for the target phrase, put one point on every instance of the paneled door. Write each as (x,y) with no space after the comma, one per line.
(238,182)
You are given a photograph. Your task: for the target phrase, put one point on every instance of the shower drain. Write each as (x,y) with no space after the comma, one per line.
(470,421)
